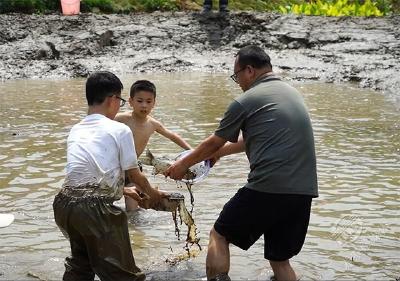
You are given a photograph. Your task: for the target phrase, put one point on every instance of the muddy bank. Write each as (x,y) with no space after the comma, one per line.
(363,50)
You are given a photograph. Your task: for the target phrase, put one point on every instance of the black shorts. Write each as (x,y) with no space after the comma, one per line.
(282,218)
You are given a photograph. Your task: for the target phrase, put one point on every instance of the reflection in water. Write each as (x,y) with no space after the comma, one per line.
(354,231)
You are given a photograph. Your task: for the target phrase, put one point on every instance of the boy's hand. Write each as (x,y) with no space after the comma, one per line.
(134,193)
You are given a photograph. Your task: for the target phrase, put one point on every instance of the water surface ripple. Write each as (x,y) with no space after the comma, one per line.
(354,231)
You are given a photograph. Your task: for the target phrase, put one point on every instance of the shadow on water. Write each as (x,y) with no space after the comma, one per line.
(354,229)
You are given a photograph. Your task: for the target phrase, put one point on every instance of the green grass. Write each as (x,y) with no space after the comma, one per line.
(336,8)
(311,7)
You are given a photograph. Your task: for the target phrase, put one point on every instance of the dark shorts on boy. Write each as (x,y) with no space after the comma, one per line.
(282,218)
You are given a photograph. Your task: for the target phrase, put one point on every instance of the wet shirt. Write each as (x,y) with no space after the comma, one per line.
(98,151)
(278,137)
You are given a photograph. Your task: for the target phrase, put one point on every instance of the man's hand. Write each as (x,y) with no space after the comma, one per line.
(149,202)
(176,171)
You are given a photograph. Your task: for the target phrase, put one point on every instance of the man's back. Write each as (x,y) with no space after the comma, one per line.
(98,150)
(278,137)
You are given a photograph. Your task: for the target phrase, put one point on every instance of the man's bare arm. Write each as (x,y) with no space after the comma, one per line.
(202,152)
(140,180)
(230,148)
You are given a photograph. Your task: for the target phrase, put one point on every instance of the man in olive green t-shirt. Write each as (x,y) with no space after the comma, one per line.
(278,139)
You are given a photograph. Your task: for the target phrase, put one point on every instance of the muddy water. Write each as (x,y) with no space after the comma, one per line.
(354,231)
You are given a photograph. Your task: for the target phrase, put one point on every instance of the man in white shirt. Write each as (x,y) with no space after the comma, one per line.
(99,151)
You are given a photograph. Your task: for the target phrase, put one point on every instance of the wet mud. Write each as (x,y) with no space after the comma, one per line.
(362,50)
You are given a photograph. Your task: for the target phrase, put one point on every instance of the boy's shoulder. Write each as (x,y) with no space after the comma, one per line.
(123,116)
(154,121)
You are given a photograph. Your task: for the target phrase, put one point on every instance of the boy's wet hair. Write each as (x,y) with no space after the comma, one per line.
(142,85)
(102,84)
(254,56)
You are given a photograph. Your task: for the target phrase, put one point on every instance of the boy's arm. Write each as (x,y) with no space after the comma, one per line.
(171,135)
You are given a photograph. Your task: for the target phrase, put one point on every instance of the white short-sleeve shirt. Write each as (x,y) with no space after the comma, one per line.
(98,151)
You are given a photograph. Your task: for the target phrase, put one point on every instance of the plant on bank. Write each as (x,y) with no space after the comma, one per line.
(163,5)
(28,6)
(109,6)
(105,6)
(337,8)
(312,7)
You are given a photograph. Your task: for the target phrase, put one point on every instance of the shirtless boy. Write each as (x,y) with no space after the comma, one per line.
(142,100)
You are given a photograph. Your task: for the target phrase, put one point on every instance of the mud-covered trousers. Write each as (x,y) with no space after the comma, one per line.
(99,238)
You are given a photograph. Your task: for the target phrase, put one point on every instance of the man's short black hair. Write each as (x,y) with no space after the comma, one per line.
(142,85)
(100,85)
(254,56)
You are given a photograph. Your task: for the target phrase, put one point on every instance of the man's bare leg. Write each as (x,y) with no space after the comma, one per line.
(283,270)
(218,256)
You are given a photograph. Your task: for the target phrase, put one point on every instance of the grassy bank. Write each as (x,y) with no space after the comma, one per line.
(312,7)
